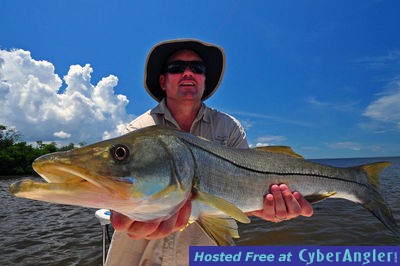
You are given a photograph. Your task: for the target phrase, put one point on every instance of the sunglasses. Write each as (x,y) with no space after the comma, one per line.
(179,66)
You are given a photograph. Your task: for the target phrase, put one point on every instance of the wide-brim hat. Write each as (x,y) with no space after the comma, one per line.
(212,55)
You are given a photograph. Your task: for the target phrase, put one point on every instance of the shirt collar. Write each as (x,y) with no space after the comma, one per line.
(162,109)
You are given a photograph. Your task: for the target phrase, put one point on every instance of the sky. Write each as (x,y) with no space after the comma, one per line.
(320,76)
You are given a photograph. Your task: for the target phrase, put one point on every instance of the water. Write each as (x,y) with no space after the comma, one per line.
(39,233)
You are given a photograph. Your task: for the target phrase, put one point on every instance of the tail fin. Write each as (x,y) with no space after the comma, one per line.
(375,202)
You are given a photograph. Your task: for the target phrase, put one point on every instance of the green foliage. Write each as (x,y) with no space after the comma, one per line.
(17,157)
(8,136)
(68,147)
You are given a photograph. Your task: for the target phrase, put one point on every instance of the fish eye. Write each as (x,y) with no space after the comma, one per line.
(119,152)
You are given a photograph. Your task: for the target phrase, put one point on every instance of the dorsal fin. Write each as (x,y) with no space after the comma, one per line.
(279,149)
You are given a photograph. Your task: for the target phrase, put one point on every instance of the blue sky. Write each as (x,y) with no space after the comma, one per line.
(320,76)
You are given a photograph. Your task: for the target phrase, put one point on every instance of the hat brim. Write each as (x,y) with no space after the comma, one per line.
(213,57)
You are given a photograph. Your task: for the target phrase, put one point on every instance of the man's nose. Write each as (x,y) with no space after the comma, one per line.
(187,71)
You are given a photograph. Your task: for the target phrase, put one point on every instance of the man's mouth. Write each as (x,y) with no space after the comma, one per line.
(187,84)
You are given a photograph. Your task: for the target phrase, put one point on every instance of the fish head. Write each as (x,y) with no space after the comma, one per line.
(140,174)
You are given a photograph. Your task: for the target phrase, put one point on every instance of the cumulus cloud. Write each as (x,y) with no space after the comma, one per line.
(33,101)
(387,107)
(62,135)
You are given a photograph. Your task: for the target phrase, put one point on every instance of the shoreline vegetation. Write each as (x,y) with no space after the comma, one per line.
(16,157)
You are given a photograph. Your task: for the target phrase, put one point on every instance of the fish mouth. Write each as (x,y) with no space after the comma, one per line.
(59,173)
(71,185)
(63,172)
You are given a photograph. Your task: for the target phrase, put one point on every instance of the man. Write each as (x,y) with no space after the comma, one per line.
(180,75)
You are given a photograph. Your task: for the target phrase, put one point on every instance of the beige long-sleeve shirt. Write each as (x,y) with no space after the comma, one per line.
(174,249)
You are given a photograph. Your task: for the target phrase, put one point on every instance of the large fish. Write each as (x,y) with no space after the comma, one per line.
(149,173)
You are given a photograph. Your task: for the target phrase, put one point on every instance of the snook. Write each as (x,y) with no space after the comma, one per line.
(149,173)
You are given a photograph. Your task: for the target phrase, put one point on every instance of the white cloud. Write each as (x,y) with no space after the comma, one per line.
(62,135)
(30,100)
(268,141)
(278,119)
(355,146)
(341,107)
(271,139)
(346,145)
(247,124)
(260,144)
(387,107)
(391,59)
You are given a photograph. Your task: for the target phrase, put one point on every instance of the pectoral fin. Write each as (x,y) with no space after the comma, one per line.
(223,206)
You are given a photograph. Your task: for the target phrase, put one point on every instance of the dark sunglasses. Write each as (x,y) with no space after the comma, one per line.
(179,66)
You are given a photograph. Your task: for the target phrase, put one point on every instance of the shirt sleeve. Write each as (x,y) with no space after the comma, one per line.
(144,120)
(237,137)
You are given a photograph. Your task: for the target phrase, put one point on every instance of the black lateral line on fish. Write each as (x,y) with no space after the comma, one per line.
(274,173)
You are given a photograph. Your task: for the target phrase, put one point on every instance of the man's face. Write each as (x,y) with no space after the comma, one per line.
(186,86)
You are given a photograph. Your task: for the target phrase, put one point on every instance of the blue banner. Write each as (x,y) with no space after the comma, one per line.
(294,255)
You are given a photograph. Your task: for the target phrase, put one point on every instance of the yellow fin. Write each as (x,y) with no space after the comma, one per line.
(200,137)
(373,171)
(319,197)
(223,205)
(220,229)
(279,149)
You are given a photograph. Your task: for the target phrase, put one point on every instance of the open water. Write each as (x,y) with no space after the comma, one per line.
(39,233)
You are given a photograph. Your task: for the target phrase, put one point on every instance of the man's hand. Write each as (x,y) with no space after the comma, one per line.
(153,229)
(281,204)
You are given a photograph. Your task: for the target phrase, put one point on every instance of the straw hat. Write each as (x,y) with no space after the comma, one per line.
(212,55)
